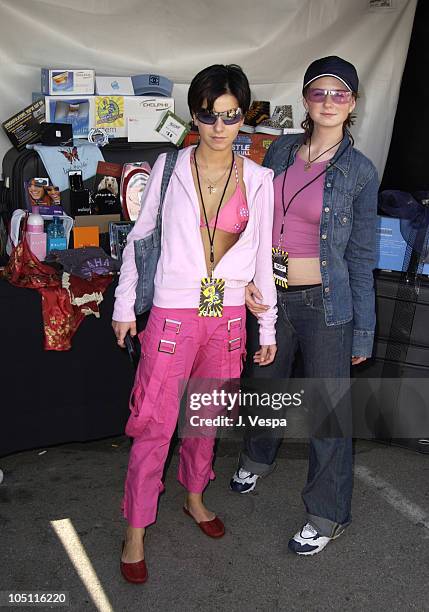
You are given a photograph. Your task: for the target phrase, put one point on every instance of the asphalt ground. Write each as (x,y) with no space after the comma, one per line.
(61,530)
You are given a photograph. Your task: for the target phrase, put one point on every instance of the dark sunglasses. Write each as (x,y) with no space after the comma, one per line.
(229,117)
(338,96)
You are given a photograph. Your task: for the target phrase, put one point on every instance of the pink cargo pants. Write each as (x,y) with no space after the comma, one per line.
(176,345)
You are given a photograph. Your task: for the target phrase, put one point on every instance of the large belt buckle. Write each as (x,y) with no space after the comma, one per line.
(234,344)
(172,325)
(234,324)
(167,346)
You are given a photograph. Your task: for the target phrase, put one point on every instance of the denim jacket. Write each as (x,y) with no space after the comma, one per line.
(347,236)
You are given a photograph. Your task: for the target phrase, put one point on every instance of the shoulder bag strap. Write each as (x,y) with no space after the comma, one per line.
(170,162)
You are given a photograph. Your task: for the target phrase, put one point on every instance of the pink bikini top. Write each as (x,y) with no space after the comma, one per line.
(234,214)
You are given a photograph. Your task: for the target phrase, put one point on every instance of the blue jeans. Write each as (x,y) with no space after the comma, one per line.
(326,353)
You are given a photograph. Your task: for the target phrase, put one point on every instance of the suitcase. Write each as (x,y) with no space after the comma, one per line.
(21,166)
(401,352)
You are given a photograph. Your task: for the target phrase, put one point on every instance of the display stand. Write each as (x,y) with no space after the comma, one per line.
(51,397)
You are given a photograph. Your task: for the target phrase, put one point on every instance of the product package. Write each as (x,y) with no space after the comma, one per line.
(113,86)
(109,115)
(173,128)
(54,134)
(63,82)
(144,114)
(118,233)
(101,221)
(391,246)
(78,111)
(105,196)
(40,193)
(86,236)
(253,146)
(25,127)
(80,197)
(113,114)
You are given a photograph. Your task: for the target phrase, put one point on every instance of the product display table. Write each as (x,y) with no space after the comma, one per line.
(50,397)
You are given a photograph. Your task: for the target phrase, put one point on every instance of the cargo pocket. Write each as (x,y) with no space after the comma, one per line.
(235,348)
(233,357)
(160,368)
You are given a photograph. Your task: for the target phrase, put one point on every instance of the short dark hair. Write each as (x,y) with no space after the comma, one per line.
(216,81)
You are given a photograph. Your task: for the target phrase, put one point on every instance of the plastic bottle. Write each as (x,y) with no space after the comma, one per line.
(56,236)
(36,237)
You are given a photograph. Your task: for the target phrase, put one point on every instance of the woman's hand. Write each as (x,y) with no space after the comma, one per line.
(357,360)
(266,354)
(121,328)
(255,308)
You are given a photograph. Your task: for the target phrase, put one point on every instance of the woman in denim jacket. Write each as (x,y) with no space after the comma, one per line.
(325,195)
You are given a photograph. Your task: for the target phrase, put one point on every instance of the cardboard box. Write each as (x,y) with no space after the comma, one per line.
(253,146)
(105,192)
(143,129)
(391,246)
(113,86)
(86,237)
(112,114)
(78,111)
(63,82)
(101,221)
(148,112)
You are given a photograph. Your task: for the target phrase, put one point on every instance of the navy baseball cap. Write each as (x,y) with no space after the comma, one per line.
(152,85)
(332,66)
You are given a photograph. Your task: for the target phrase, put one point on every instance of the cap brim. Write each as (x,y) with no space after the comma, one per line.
(149,91)
(319,76)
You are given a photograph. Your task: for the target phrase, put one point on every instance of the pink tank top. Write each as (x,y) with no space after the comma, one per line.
(302,222)
(234,214)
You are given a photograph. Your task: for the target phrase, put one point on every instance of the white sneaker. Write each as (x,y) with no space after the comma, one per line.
(243,481)
(308,541)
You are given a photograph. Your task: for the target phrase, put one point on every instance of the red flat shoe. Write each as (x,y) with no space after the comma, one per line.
(214,528)
(134,572)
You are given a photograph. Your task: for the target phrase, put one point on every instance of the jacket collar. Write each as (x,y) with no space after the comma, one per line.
(344,155)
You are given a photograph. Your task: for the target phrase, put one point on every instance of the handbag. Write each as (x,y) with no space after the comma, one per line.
(147,250)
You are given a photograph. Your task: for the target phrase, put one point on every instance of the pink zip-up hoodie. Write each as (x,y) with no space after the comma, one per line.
(182,264)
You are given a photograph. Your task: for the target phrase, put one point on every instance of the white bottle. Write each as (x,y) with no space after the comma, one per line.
(36,237)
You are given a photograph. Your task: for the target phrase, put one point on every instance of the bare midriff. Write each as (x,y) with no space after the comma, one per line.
(304,271)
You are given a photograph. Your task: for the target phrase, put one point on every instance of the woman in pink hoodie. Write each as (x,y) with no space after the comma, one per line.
(216,238)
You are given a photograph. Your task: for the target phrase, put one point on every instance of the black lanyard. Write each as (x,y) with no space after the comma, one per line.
(286,208)
(212,236)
